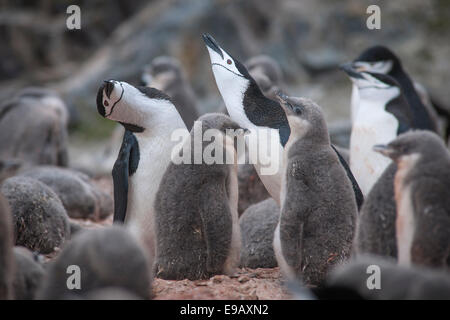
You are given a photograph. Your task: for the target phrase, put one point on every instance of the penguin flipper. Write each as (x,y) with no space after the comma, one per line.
(216,222)
(358,193)
(125,165)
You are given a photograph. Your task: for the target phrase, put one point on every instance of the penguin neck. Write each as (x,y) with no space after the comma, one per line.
(421,117)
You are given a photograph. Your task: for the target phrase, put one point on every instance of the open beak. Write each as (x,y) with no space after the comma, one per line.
(384,149)
(351,70)
(212,44)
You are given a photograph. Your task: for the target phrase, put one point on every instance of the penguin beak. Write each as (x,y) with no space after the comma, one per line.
(212,44)
(350,69)
(281,96)
(109,87)
(385,150)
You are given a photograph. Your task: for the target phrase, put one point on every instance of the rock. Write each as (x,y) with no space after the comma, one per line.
(28,275)
(251,189)
(80,197)
(6,253)
(107,257)
(35,122)
(40,221)
(258,225)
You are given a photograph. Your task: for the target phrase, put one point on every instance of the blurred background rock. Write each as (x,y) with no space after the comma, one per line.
(119,37)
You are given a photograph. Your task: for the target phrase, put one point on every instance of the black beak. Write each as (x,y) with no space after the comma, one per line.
(109,87)
(211,43)
(350,70)
(385,150)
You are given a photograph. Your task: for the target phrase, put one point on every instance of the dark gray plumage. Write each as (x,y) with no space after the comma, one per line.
(267,73)
(36,127)
(257,225)
(80,197)
(166,74)
(197,226)
(375,228)
(28,274)
(318,209)
(107,257)
(39,218)
(6,252)
(422,196)
(396,282)
(251,189)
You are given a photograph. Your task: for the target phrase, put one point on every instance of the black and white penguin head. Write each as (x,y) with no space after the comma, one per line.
(230,74)
(376,59)
(423,143)
(373,86)
(305,118)
(161,72)
(136,108)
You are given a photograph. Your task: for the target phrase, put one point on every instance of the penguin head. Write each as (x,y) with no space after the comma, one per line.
(226,69)
(305,118)
(265,66)
(423,143)
(162,72)
(377,59)
(222,123)
(136,108)
(374,86)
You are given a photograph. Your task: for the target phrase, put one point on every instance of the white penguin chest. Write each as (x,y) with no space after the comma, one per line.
(373,125)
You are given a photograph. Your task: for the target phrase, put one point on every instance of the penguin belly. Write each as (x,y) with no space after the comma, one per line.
(371,127)
(143,186)
(354,102)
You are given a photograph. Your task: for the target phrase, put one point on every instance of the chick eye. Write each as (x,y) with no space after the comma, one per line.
(297,110)
(105,103)
(229,61)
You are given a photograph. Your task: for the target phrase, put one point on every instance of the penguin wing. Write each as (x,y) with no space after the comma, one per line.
(217,226)
(358,193)
(125,166)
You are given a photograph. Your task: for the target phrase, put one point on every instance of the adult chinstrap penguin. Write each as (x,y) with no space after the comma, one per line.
(383,113)
(149,118)
(248,106)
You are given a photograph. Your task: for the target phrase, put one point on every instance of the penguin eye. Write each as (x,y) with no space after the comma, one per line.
(229,61)
(105,103)
(297,110)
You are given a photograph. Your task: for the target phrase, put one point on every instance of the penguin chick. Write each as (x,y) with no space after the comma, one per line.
(257,225)
(166,74)
(107,257)
(377,278)
(28,275)
(318,208)
(6,252)
(267,73)
(197,225)
(422,195)
(375,226)
(149,118)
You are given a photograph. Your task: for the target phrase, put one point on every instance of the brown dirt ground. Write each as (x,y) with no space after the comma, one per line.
(245,284)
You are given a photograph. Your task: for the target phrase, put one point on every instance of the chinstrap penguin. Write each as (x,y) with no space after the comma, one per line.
(149,117)
(318,207)
(197,227)
(379,59)
(248,106)
(383,114)
(422,195)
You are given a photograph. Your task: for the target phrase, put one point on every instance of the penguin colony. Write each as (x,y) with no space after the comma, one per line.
(322,219)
